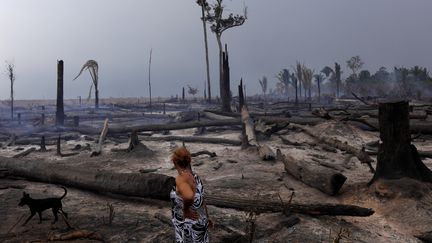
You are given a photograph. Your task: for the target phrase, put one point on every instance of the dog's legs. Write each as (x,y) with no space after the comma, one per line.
(40,217)
(55,211)
(64,213)
(28,219)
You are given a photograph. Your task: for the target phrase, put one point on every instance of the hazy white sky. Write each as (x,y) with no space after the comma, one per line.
(119,34)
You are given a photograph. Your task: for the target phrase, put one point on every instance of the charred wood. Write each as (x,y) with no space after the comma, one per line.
(24,153)
(194,140)
(322,178)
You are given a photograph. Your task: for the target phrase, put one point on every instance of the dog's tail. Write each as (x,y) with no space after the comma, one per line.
(64,188)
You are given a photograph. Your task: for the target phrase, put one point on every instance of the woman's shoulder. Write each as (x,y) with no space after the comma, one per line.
(180,179)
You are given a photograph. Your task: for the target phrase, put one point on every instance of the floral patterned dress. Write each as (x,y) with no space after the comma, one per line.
(189,230)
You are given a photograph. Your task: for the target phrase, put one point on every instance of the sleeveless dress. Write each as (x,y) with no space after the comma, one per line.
(189,230)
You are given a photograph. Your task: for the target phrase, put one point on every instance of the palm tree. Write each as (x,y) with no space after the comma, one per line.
(284,78)
(355,63)
(93,68)
(299,76)
(319,78)
(205,7)
(307,74)
(328,71)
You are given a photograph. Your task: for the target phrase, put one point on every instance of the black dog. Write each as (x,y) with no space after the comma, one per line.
(40,205)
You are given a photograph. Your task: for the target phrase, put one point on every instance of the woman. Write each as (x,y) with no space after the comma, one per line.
(189,211)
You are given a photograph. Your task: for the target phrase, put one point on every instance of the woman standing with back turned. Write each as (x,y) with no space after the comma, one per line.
(189,211)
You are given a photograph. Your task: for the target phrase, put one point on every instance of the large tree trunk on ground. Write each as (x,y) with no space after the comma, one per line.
(194,140)
(157,186)
(322,178)
(397,157)
(158,127)
(148,185)
(265,205)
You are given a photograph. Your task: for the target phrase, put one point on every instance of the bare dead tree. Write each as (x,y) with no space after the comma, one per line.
(149,80)
(11,75)
(205,7)
(338,78)
(219,24)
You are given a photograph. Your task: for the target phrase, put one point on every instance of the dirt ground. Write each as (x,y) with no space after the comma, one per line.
(403,208)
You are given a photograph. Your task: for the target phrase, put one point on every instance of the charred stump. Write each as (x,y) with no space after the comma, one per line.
(244,137)
(225,84)
(133,141)
(43,145)
(397,157)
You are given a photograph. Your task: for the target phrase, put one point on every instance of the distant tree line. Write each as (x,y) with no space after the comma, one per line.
(301,83)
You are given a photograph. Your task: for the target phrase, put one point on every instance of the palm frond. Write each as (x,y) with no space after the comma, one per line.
(93,67)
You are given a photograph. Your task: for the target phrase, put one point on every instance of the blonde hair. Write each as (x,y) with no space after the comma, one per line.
(182,157)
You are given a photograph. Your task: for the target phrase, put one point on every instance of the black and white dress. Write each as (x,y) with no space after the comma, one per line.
(189,230)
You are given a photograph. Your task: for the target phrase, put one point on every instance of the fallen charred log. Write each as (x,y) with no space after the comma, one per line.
(194,140)
(148,185)
(265,205)
(322,178)
(157,186)
(158,127)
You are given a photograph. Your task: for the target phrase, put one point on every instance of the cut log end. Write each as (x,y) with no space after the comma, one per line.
(337,181)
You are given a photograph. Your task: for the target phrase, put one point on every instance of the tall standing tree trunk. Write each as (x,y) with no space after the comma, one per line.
(296,91)
(60,105)
(221,81)
(300,88)
(397,157)
(183,95)
(151,50)
(96,96)
(319,91)
(206,51)
(227,81)
(224,77)
(12,101)
(338,78)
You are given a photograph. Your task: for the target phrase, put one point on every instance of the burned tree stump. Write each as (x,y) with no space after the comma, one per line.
(397,157)
(133,141)
(43,145)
